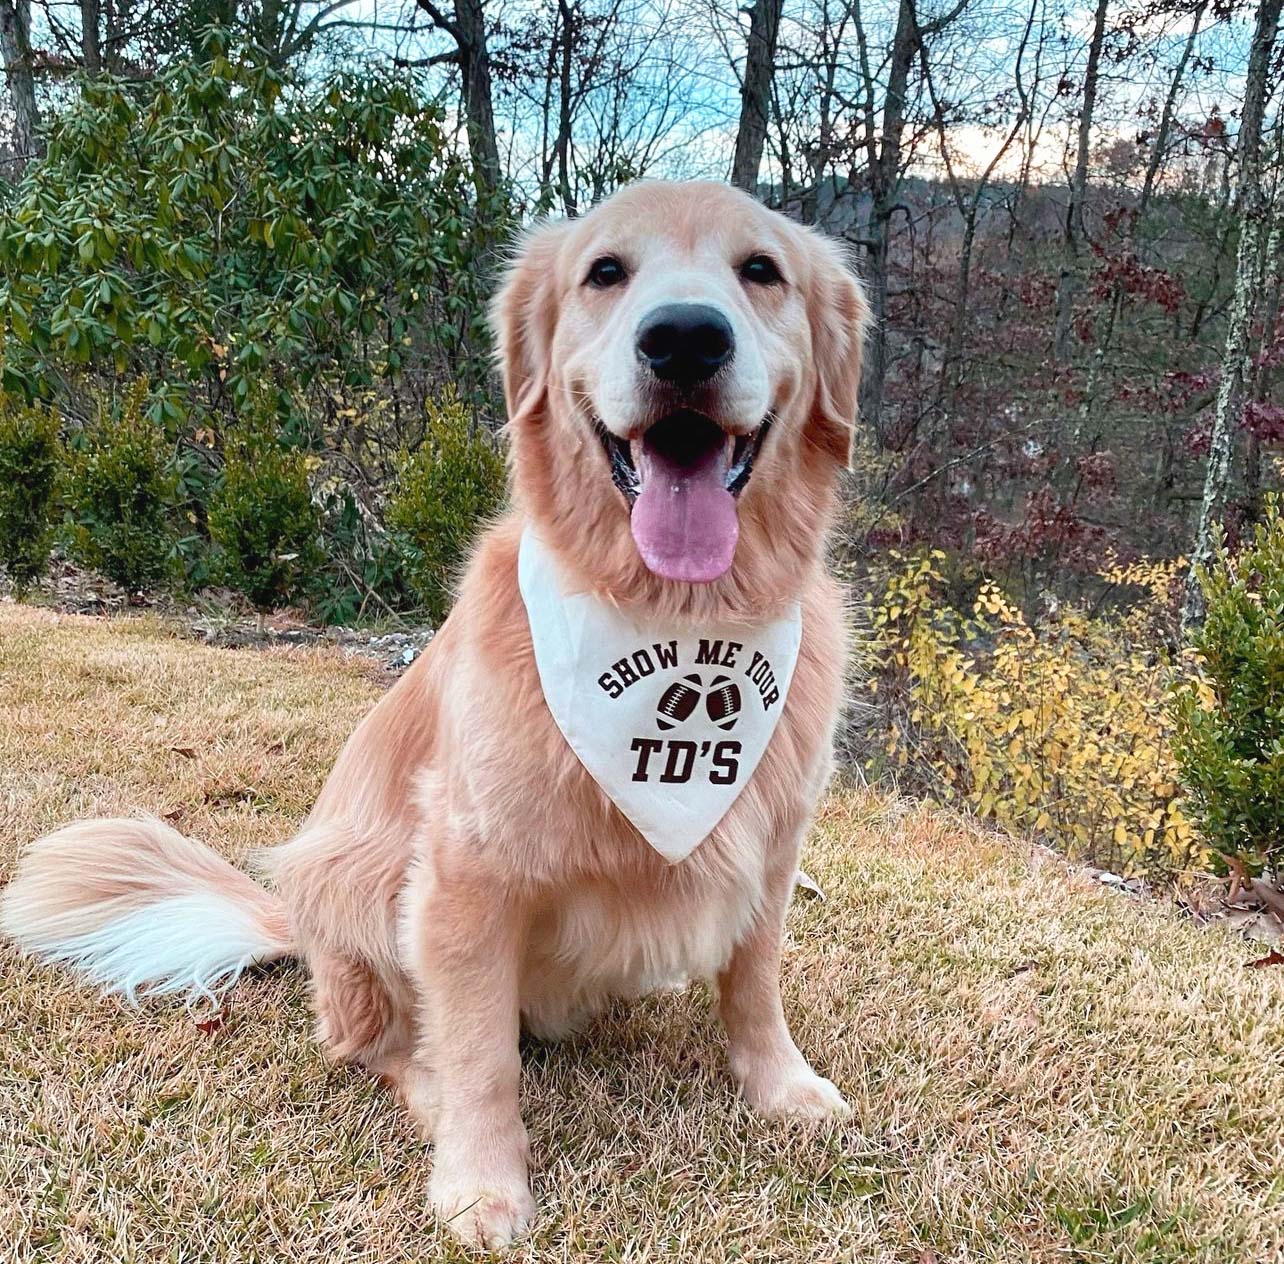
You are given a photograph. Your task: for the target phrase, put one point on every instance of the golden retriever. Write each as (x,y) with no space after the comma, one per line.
(462,872)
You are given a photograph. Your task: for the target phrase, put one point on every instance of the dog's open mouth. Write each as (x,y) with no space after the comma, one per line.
(681,479)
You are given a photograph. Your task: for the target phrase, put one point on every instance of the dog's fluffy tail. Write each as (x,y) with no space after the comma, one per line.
(137,908)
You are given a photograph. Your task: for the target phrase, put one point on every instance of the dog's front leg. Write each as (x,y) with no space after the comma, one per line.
(467,942)
(774,1077)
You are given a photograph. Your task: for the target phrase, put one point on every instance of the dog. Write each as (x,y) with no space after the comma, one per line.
(681,368)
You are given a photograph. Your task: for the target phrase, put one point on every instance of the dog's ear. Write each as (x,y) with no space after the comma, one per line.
(839,318)
(523,317)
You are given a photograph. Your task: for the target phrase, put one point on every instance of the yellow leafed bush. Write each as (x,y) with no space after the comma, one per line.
(1059,730)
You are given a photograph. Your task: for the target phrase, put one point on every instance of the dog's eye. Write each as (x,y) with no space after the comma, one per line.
(606,272)
(761,270)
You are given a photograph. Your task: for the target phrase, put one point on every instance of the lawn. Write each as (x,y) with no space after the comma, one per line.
(1041,1069)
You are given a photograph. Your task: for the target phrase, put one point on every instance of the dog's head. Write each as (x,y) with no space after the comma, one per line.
(681,370)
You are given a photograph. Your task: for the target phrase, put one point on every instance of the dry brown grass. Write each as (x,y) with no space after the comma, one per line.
(1040,1070)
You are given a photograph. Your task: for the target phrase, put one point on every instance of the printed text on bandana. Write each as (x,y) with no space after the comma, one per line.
(718,694)
(670,722)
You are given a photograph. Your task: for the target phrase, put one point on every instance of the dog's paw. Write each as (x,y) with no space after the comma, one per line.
(482,1214)
(800,1095)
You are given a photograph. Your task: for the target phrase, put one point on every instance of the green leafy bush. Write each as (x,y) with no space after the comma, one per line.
(1229,714)
(264,525)
(324,235)
(319,239)
(446,488)
(364,571)
(29,461)
(119,498)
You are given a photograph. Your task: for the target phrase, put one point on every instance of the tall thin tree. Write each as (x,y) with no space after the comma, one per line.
(886,170)
(15,48)
(467,28)
(1254,213)
(1068,285)
(755,92)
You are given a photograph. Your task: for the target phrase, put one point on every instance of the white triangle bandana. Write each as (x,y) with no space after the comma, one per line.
(671,723)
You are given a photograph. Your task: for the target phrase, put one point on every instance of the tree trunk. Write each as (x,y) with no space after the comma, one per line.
(969,209)
(885,177)
(821,160)
(468,29)
(1068,284)
(15,47)
(564,122)
(1169,112)
(91,51)
(1253,215)
(755,95)
(479,111)
(1273,283)
(952,363)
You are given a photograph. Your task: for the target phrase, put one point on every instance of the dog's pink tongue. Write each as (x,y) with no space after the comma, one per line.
(684,520)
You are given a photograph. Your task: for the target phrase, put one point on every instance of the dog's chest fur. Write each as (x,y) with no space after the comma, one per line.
(614,918)
(598,940)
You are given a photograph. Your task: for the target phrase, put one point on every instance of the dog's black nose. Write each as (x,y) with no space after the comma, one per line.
(685,343)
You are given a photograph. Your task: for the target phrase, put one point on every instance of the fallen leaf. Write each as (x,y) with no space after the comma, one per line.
(803,881)
(1275,958)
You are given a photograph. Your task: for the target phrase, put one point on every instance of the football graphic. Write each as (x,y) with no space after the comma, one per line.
(723,702)
(678,702)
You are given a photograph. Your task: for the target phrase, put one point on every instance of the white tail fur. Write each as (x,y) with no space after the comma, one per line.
(137,908)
